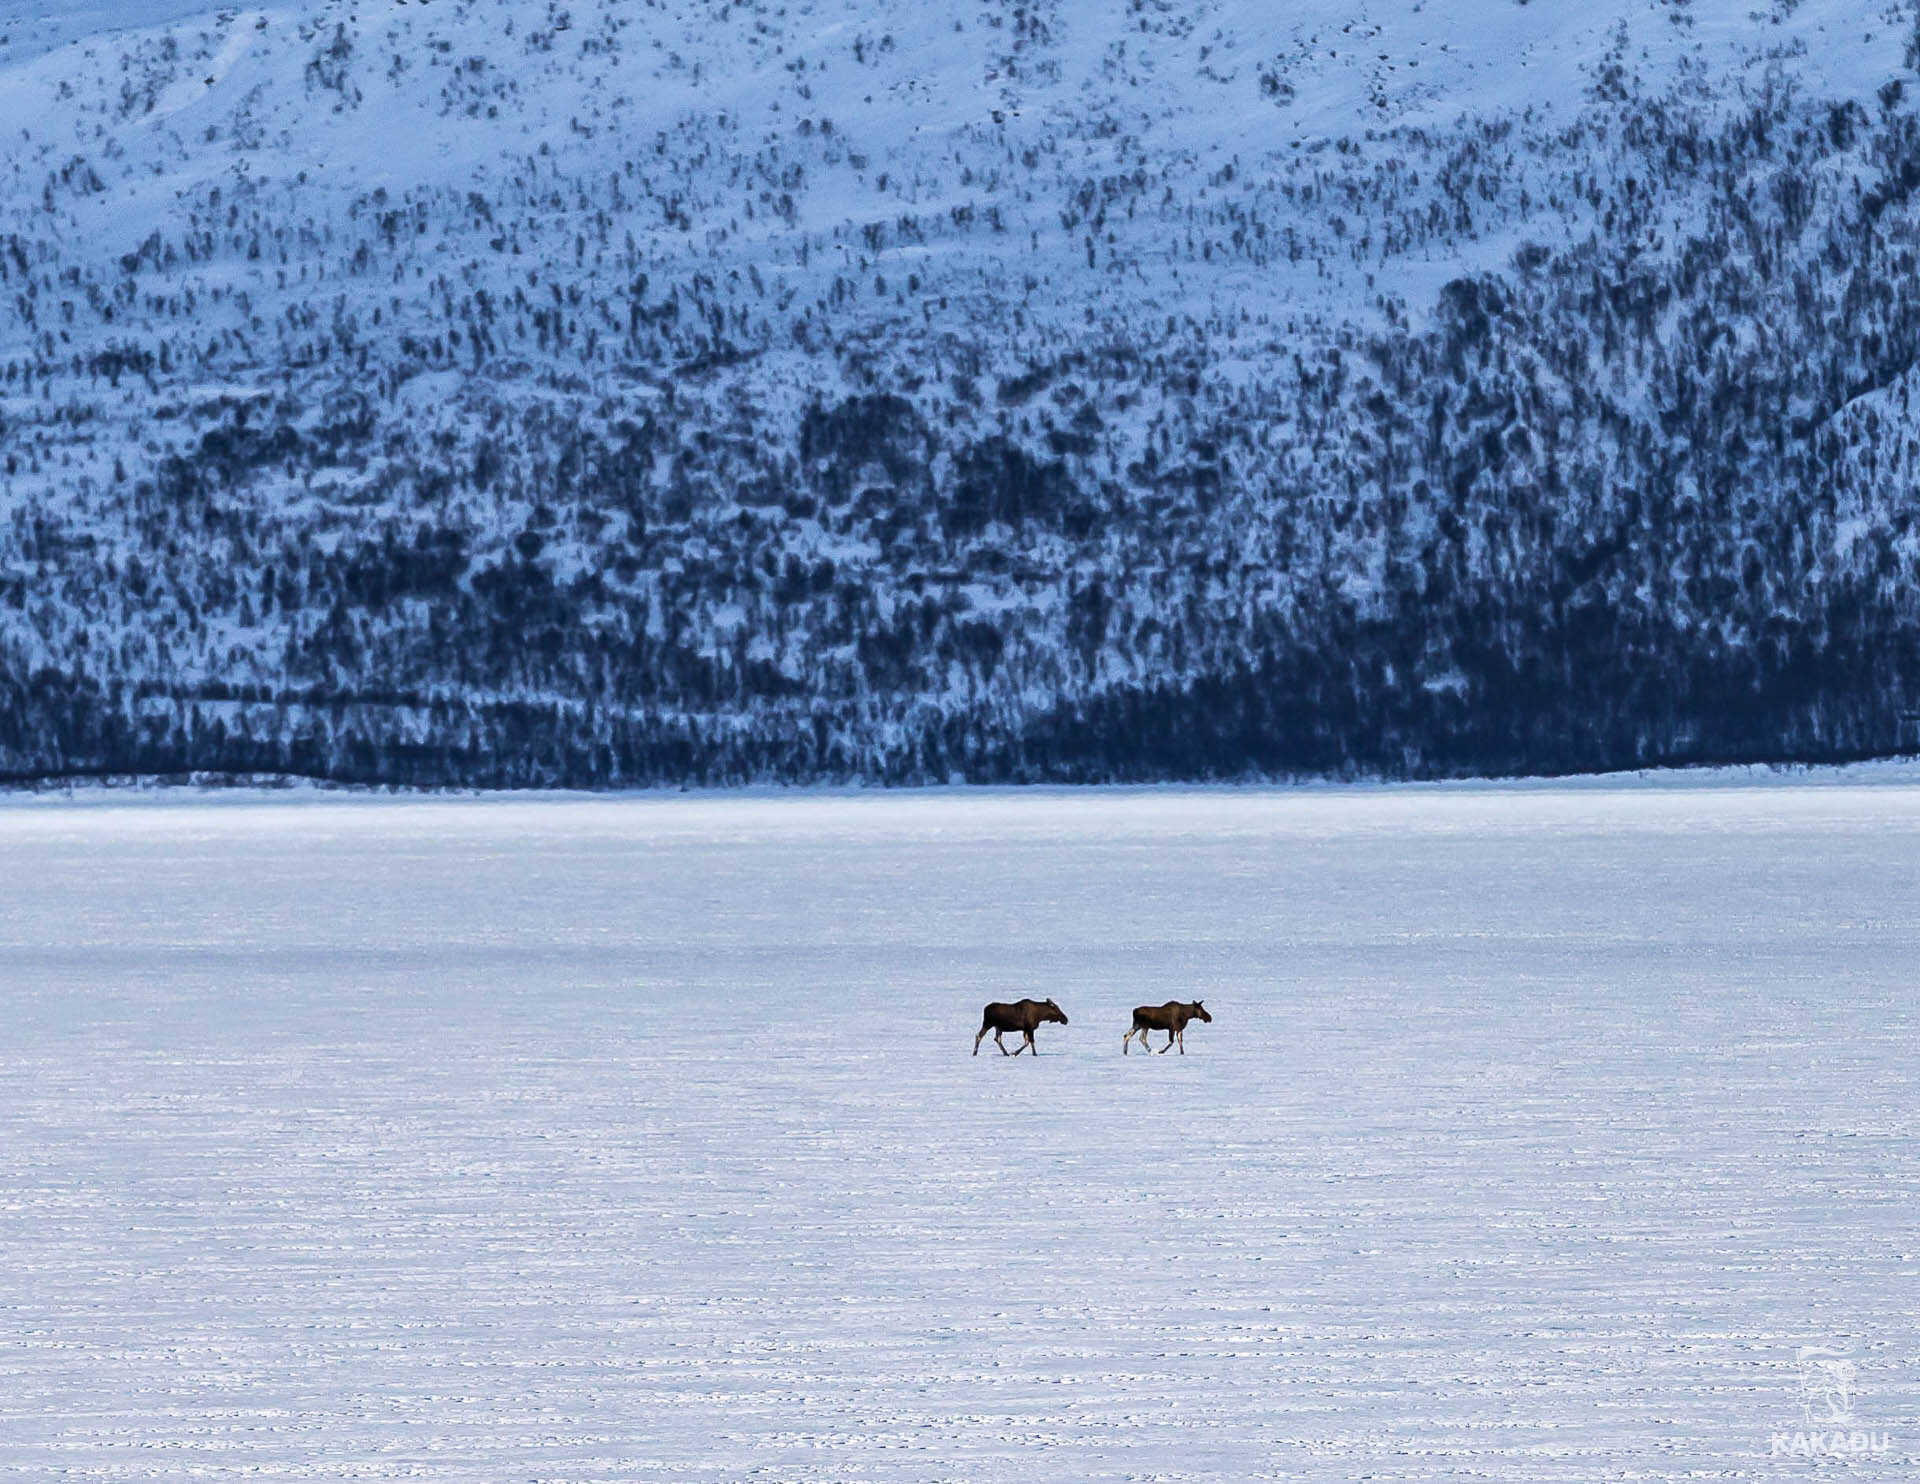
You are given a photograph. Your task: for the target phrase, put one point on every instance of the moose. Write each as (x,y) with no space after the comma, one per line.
(1171,1017)
(1022,1016)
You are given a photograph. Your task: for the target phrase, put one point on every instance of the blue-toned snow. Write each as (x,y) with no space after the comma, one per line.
(1536,1132)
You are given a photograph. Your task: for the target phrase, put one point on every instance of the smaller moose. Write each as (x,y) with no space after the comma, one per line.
(1171,1017)
(1022,1016)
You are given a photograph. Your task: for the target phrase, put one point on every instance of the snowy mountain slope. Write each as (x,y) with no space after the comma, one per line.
(602,393)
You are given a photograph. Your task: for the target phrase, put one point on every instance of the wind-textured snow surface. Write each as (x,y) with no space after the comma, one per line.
(1535,1133)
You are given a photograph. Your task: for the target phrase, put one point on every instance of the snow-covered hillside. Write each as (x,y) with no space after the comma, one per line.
(509,391)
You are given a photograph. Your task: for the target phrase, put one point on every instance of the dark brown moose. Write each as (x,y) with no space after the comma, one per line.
(1022,1016)
(1171,1017)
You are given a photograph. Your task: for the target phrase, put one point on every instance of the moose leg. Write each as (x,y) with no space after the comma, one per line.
(1181,1037)
(978,1039)
(1030,1046)
(1001,1044)
(1169,1046)
(1126,1044)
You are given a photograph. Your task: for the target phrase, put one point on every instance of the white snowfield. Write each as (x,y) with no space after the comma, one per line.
(1537,1132)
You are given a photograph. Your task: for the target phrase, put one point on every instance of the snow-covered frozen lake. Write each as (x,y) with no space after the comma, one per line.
(1537,1131)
